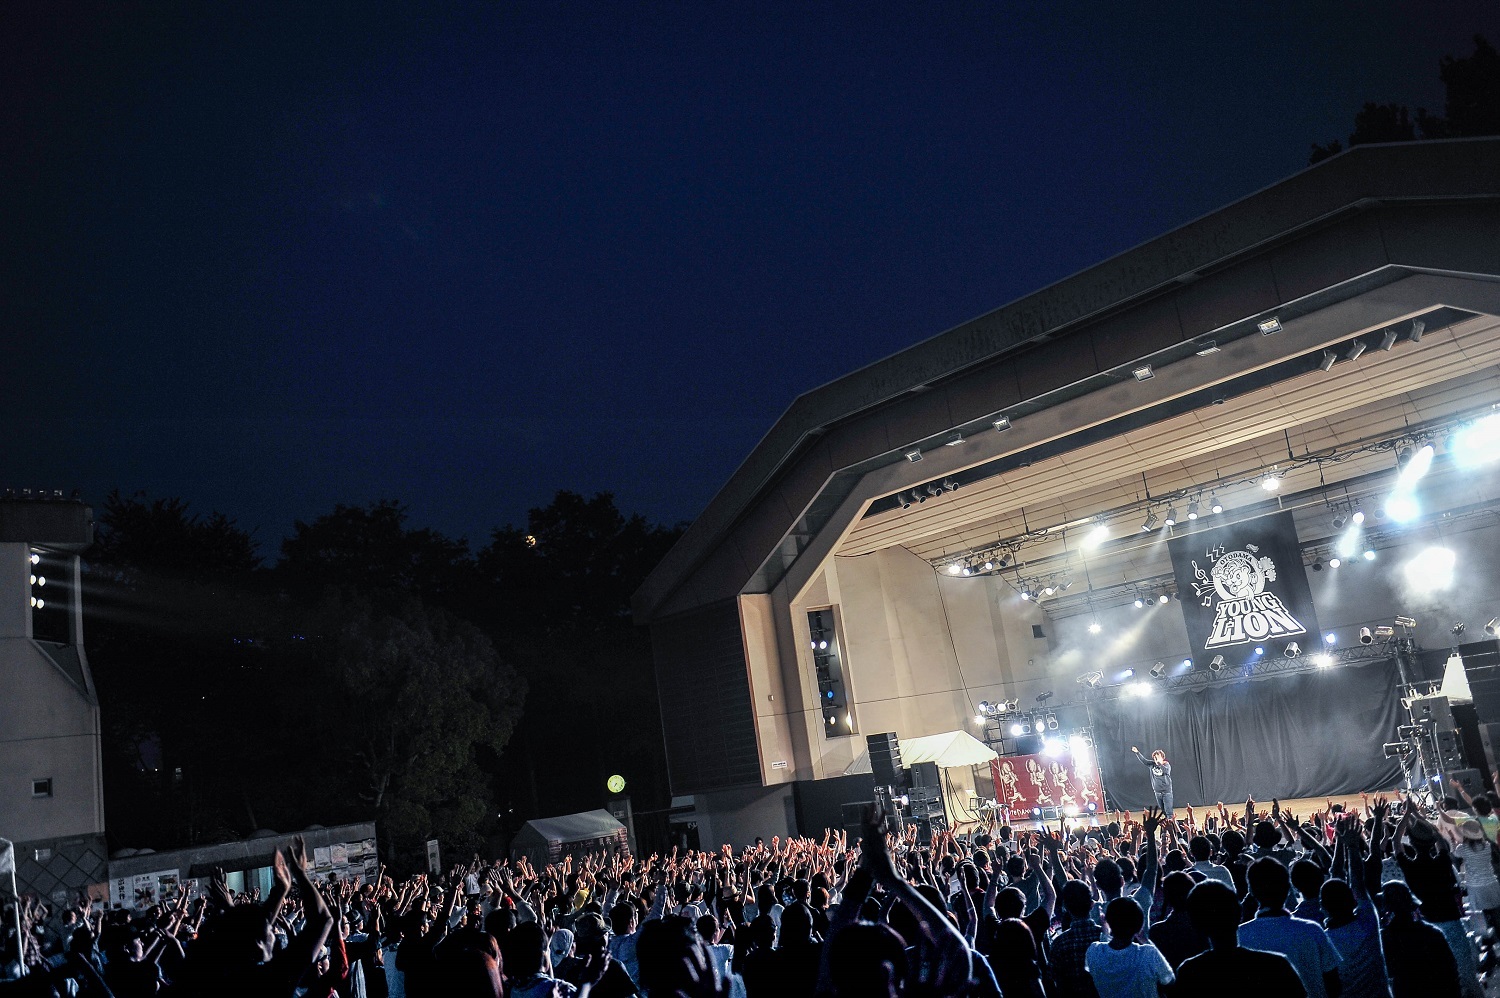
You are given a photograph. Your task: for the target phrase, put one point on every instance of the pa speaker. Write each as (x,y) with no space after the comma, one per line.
(924,774)
(885,759)
(1472,782)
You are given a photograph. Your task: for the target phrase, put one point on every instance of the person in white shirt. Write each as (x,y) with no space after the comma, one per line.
(1122,968)
(1202,851)
(1275,930)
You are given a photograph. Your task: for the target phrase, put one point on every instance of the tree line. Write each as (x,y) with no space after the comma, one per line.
(374,670)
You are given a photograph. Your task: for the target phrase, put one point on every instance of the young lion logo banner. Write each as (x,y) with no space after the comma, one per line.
(1243,586)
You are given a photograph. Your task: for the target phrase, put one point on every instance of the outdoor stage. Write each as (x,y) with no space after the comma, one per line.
(1302,807)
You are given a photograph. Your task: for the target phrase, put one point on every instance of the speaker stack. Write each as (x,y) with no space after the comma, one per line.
(885,759)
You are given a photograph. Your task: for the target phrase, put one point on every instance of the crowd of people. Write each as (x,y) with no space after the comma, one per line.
(1361,903)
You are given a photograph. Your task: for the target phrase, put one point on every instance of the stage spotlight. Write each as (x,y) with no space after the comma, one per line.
(1430,569)
(934,490)
(989,566)
(1317,565)
(905,502)
(1348,543)
(1001,423)
(1259,651)
(1091,679)
(1127,673)
(1334,563)
(1097,536)
(1049,591)
(1271,482)
(1322,660)
(1330,638)
(1413,464)
(1329,359)
(955,568)
(949,485)
(1402,507)
(1025,727)
(1216,663)
(1406,622)
(978,718)
(1051,722)
(1026,594)
(966,570)
(1193,510)
(1214,504)
(984,706)
(1365,637)
(1092,807)
(35,558)
(1339,519)
(1164,599)
(1171,519)
(1493,627)
(1143,372)
(1187,663)
(1292,650)
(1139,602)
(1478,443)
(1054,747)
(1036,812)
(1355,349)
(1269,326)
(1369,554)
(1418,327)
(1150,523)
(1142,689)
(1158,669)
(1015,730)
(1094,627)
(1388,340)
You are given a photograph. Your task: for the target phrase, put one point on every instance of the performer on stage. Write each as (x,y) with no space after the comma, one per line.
(1161,778)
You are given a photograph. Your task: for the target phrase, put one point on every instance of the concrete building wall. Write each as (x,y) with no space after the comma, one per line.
(49,730)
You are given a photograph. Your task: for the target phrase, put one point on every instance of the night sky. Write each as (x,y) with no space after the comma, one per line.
(273,258)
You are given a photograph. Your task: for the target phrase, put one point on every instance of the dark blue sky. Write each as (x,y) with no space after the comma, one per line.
(274,259)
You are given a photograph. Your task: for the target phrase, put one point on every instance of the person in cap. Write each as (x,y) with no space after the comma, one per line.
(590,946)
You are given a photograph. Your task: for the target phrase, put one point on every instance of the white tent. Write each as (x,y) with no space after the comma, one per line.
(950,750)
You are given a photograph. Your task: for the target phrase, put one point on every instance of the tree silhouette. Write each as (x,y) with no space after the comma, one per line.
(1472,107)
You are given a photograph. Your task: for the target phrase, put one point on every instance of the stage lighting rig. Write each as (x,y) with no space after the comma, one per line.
(1091,679)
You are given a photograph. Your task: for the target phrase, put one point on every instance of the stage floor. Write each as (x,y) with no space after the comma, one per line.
(1301,807)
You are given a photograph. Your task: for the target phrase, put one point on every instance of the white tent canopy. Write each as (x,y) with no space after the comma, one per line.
(950,750)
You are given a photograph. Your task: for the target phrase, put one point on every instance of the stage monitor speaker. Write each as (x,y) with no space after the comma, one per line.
(1473,783)
(924,774)
(854,817)
(1489,735)
(1450,749)
(1435,709)
(885,759)
(925,801)
(927,826)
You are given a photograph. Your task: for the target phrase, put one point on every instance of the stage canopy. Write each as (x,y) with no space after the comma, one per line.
(950,750)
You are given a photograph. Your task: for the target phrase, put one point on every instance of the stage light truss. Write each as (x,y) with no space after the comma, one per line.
(1132,518)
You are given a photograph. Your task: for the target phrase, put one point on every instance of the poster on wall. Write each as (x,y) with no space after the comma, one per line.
(1242,586)
(1061,781)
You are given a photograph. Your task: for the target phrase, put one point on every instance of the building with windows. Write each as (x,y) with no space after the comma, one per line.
(978,532)
(51,786)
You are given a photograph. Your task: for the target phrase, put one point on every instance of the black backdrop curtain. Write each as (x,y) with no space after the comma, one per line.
(1307,734)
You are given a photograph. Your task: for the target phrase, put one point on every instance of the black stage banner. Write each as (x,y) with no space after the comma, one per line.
(1243,586)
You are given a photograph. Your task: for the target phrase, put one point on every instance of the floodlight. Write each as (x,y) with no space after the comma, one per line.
(1216,663)
(913,455)
(1158,669)
(1150,523)
(1355,349)
(1001,423)
(1493,627)
(1143,373)
(1164,599)
(1193,510)
(1329,359)
(1171,519)
(1388,340)
(1292,650)
(1365,637)
(1215,505)
(1269,326)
